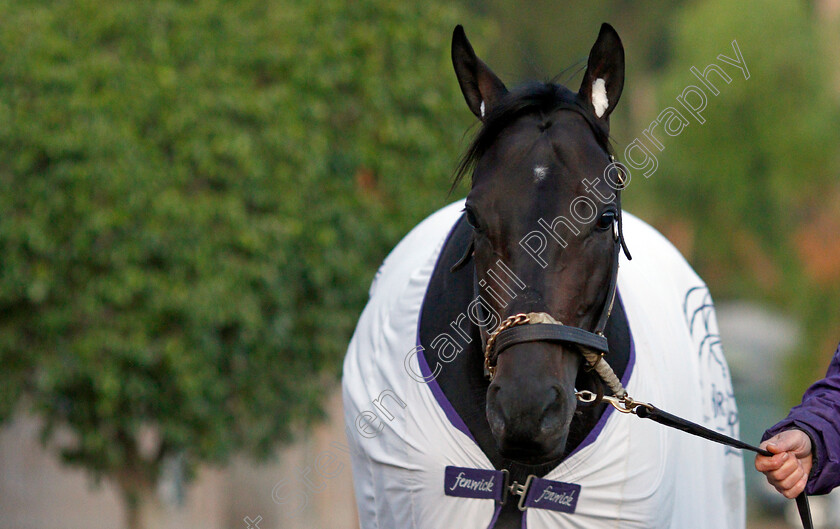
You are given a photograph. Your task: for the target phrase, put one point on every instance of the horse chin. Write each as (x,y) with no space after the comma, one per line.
(537,448)
(535,457)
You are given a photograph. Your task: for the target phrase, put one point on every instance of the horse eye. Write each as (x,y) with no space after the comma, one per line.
(471,218)
(605,221)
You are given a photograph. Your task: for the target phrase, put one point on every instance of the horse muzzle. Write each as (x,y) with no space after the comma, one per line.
(531,401)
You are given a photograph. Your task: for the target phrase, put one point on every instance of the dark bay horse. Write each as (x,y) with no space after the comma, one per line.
(461,413)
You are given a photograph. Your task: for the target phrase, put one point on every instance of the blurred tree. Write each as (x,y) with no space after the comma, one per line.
(193,200)
(749,195)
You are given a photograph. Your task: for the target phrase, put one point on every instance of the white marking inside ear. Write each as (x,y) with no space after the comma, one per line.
(482,109)
(599,97)
(540,172)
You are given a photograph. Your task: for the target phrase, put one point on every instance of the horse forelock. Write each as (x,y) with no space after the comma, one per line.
(529,99)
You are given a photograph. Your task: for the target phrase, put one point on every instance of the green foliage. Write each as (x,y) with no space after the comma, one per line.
(194,198)
(754,177)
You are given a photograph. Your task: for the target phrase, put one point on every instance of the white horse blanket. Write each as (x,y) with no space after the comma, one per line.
(633,473)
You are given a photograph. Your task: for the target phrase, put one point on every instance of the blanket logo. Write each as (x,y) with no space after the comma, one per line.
(462,482)
(553,495)
(719,410)
(472,483)
(557,498)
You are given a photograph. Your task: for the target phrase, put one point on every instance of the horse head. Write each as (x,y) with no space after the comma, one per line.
(544,208)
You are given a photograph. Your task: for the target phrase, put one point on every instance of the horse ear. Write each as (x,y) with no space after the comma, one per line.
(481,88)
(604,77)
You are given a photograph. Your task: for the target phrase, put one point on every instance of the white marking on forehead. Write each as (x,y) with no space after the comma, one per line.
(540,172)
(482,109)
(599,97)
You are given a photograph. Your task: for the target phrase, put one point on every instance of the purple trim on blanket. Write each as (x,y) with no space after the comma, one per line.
(495,516)
(628,371)
(441,399)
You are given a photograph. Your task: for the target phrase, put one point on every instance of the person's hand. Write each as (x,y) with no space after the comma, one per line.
(790,465)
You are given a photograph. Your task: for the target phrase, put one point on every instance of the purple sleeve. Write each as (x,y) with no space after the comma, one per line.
(819,417)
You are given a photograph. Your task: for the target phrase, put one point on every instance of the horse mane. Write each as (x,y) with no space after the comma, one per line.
(531,98)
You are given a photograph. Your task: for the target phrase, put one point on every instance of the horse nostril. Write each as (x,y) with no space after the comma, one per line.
(559,392)
(562,400)
(552,417)
(495,411)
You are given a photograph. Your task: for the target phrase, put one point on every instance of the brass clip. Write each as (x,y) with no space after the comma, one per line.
(622,404)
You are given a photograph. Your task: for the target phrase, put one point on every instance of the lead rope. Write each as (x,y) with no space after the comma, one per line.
(623,403)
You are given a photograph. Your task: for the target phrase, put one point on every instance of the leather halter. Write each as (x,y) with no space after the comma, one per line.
(540,326)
